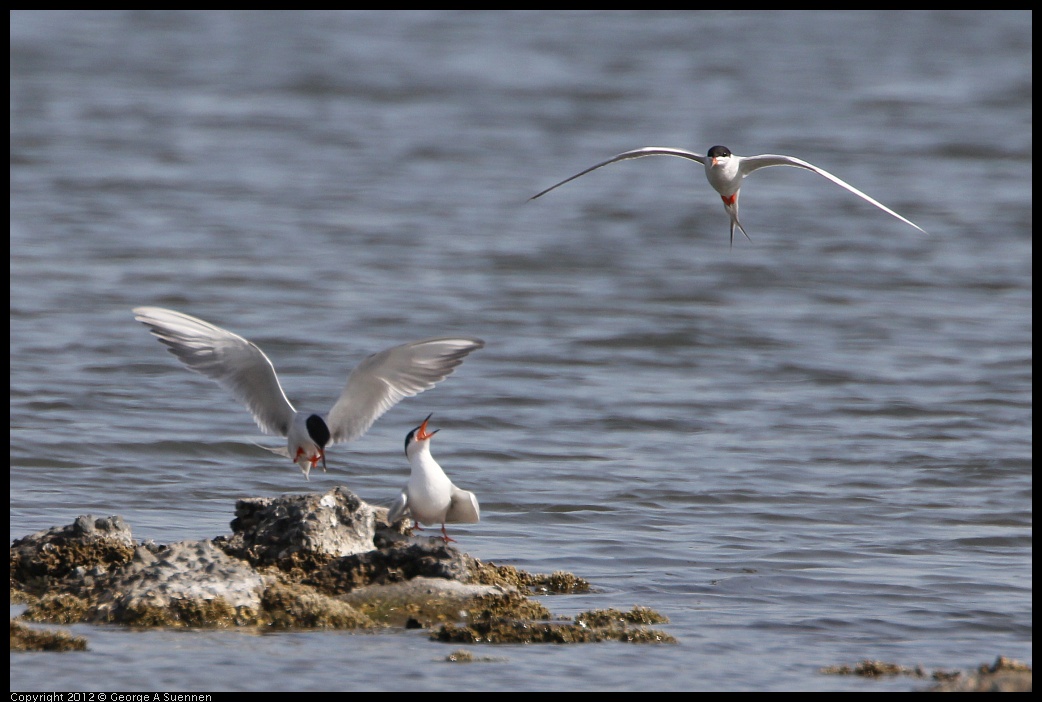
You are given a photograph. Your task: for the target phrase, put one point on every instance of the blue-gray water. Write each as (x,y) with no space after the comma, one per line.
(811,449)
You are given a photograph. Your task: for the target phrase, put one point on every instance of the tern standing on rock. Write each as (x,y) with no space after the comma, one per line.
(376,385)
(430,497)
(725,173)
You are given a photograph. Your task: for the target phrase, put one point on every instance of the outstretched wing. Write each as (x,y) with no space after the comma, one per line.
(636,153)
(384,379)
(238,365)
(752,163)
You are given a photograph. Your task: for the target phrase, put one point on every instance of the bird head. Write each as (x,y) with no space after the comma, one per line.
(319,433)
(718,154)
(420,433)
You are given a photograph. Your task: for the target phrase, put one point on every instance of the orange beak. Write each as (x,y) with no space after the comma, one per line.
(422,434)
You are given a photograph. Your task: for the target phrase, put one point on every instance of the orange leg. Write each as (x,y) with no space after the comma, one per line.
(445,535)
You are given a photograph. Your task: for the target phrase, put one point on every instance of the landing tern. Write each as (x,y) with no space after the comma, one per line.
(725,173)
(430,497)
(378,383)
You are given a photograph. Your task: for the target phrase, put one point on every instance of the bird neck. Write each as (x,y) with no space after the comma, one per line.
(423,464)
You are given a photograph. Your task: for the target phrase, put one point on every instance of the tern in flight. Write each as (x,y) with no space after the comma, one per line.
(376,384)
(725,173)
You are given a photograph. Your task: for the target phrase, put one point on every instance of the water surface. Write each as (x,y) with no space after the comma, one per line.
(809,449)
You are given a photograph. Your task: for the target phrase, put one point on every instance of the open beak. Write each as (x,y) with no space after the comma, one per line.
(421,433)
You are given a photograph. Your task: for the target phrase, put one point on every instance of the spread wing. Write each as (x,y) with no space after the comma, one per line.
(636,153)
(384,379)
(753,163)
(238,365)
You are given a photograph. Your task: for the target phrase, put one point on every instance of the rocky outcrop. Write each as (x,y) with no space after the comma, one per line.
(1004,675)
(194,579)
(309,561)
(25,638)
(86,548)
(274,530)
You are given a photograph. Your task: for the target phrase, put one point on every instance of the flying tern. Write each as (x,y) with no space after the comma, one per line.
(430,497)
(378,383)
(725,173)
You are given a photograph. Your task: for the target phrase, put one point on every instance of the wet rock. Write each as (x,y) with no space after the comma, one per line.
(874,669)
(559,582)
(279,530)
(306,560)
(58,608)
(1004,675)
(614,617)
(420,602)
(397,563)
(192,582)
(88,545)
(288,606)
(24,638)
(462,655)
(512,618)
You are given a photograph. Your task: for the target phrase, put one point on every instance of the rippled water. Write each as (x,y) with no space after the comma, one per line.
(811,449)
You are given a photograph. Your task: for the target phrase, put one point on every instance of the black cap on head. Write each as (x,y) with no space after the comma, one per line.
(718,151)
(412,432)
(317,430)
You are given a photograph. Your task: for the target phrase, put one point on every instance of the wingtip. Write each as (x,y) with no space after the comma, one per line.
(398,509)
(541,193)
